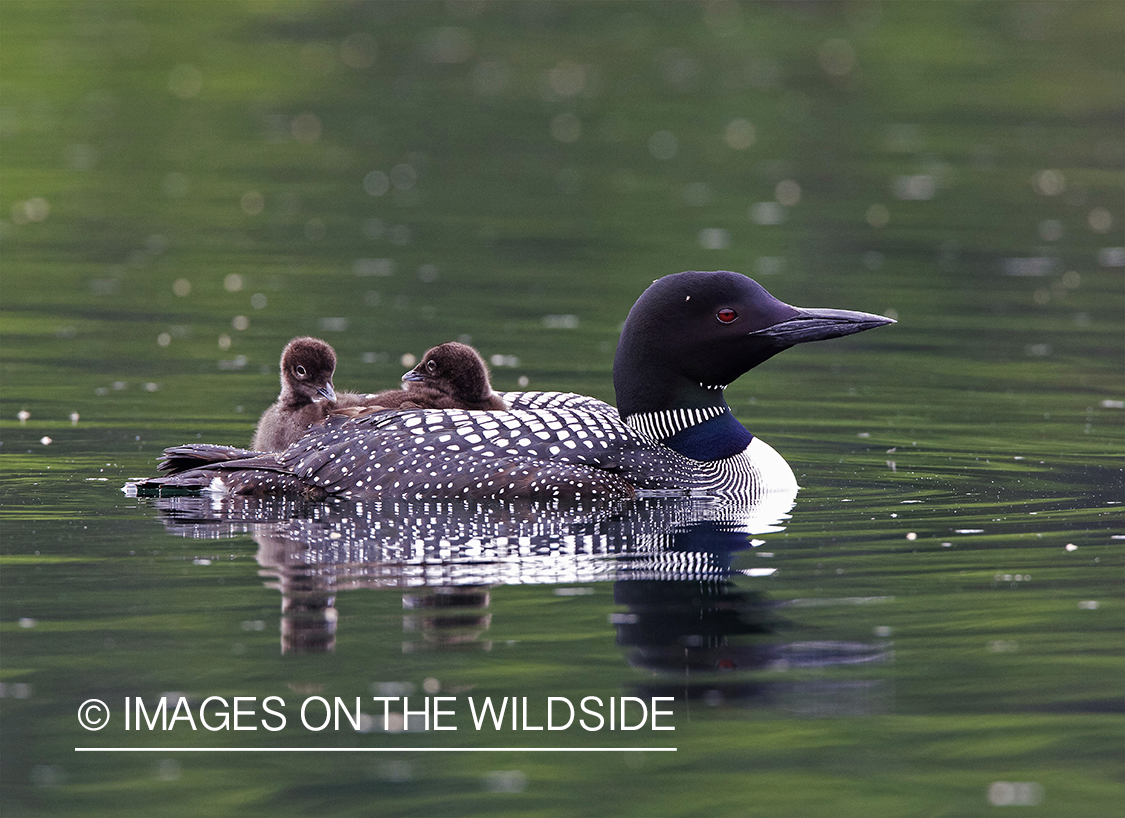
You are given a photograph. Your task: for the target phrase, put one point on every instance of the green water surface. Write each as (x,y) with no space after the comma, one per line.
(187,185)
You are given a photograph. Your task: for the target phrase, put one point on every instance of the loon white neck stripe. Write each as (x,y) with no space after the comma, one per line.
(665,423)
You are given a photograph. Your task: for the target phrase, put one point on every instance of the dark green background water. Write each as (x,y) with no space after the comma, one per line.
(187,185)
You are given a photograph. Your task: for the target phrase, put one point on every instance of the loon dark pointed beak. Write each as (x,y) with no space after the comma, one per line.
(819,325)
(327,392)
(413,375)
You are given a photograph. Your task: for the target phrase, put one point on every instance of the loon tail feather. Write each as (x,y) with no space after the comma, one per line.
(198,467)
(178,459)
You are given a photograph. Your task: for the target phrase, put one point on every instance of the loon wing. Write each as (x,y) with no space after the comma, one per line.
(559,400)
(521,453)
(457,453)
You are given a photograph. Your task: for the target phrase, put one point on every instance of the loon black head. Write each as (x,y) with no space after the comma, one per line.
(454,369)
(307,365)
(691,334)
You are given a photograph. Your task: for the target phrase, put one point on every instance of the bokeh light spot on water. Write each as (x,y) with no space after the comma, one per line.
(175,185)
(376,183)
(567,79)
(904,138)
(374,266)
(240,322)
(168,769)
(678,68)
(163,339)
(1049,183)
(769,265)
(403,176)
(914,188)
(714,238)
(698,194)
(767,213)
(663,145)
(252,203)
(449,45)
(566,127)
(224,342)
(395,771)
(1100,220)
(33,210)
(47,775)
(232,283)
(79,156)
(408,360)
(359,50)
(567,321)
(258,301)
(877,215)
(837,57)
(1034,266)
(373,228)
(1015,793)
(428,273)
(873,260)
(315,229)
(787,192)
(333,324)
(502,781)
(1111,257)
(306,128)
(491,77)
(1050,230)
(185,81)
(739,134)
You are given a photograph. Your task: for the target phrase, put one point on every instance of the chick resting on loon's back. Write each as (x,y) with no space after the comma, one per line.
(686,338)
(307,394)
(450,376)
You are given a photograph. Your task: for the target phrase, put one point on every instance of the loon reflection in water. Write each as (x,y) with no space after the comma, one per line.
(690,617)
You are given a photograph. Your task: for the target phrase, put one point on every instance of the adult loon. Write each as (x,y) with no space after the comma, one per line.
(686,338)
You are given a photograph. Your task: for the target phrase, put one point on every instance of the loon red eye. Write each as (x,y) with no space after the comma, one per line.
(300,371)
(726,315)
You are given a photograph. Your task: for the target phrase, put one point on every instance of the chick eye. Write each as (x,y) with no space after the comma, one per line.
(726,315)
(431,367)
(300,370)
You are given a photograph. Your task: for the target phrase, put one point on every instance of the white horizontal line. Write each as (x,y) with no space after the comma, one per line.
(375,749)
